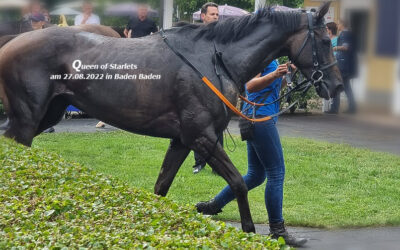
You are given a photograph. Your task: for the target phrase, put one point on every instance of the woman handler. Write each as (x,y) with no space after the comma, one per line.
(265,157)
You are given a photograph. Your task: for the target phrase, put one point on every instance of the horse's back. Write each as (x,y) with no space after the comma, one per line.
(97,29)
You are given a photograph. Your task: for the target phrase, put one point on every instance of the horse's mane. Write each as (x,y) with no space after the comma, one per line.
(233,29)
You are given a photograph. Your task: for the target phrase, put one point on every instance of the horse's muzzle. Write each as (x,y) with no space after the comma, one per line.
(327,90)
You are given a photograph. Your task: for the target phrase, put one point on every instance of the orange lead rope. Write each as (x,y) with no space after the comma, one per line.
(250,102)
(212,87)
(230,105)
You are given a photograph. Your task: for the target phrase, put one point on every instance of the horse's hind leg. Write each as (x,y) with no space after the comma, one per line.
(54,114)
(219,161)
(173,160)
(25,110)
(23,125)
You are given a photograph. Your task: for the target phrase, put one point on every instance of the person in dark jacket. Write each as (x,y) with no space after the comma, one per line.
(141,25)
(346,57)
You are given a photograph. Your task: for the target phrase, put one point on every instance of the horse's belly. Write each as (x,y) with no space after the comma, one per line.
(136,110)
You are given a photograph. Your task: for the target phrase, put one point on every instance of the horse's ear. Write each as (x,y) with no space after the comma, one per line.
(323,9)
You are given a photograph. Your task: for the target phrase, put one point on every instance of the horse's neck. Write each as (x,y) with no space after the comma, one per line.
(247,57)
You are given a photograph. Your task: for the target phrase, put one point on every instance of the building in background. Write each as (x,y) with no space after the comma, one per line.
(376,26)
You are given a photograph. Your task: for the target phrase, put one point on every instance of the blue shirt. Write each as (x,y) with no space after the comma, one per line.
(334,44)
(274,88)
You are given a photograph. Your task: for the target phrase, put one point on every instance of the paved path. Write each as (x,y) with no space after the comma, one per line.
(339,129)
(347,239)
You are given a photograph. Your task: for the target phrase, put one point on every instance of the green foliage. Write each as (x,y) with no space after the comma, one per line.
(288,3)
(191,6)
(47,202)
(115,21)
(185,6)
(307,102)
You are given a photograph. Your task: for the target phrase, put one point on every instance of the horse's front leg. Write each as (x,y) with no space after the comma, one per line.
(173,160)
(219,161)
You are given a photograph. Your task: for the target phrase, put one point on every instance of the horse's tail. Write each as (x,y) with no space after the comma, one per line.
(3,41)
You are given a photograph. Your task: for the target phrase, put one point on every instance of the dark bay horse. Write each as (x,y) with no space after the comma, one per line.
(176,104)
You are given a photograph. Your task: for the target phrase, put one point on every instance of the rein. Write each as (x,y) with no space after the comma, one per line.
(316,76)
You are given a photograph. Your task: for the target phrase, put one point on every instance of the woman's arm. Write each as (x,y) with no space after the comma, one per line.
(260,82)
(341,48)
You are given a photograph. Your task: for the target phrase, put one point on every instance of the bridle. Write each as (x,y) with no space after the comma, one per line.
(317,74)
(316,78)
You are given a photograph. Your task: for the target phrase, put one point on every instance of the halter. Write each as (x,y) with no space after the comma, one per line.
(317,74)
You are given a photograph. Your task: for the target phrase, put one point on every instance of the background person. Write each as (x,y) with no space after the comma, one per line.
(346,57)
(265,156)
(37,21)
(209,14)
(46,14)
(332,33)
(87,17)
(35,8)
(141,25)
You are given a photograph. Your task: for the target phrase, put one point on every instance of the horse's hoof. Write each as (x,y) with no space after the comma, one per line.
(249,228)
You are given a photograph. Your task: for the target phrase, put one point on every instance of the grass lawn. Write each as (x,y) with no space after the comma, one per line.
(46,202)
(327,185)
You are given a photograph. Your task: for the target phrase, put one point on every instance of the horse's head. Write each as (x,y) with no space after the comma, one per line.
(311,51)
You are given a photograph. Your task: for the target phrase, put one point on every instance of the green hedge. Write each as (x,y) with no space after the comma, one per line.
(47,202)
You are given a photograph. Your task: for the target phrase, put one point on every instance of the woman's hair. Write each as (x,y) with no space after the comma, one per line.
(332,26)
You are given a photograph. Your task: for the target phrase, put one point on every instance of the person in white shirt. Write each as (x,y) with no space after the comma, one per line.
(87,17)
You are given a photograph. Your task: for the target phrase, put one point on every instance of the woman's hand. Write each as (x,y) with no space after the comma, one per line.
(281,71)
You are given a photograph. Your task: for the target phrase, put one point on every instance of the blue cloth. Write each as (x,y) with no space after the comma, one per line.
(334,44)
(265,160)
(275,89)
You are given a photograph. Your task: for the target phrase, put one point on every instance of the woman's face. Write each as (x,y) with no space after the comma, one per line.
(329,32)
(340,26)
(36,8)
